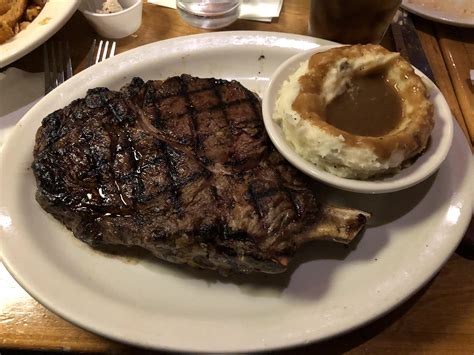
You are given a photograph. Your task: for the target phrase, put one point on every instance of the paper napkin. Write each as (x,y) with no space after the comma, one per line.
(257,10)
(20,90)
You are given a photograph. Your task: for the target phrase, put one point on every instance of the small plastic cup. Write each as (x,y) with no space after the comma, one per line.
(114,25)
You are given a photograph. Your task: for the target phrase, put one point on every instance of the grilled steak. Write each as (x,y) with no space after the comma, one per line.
(183,168)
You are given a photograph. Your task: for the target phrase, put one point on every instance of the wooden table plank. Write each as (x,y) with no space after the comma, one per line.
(428,37)
(26,324)
(457,46)
(438,319)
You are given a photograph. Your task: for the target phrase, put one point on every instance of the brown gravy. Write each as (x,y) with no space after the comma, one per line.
(369,107)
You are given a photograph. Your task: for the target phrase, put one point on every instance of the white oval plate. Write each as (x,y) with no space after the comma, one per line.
(452,12)
(328,290)
(51,18)
(420,170)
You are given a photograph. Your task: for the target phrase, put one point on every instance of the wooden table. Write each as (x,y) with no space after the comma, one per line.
(438,319)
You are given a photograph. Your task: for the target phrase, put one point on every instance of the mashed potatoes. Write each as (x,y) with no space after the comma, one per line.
(328,75)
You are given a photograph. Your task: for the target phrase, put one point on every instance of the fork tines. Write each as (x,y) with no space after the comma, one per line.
(105,49)
(57,64)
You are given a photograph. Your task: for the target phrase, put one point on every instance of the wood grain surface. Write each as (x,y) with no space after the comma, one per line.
(428,36)
(439,319)
(457,46)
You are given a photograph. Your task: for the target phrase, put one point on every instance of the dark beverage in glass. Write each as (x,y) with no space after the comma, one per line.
(351,21)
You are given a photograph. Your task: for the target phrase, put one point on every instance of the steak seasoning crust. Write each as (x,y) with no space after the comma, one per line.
(183,168)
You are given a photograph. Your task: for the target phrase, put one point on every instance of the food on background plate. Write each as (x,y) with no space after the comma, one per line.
(16,15)
(182,168)
(356,111)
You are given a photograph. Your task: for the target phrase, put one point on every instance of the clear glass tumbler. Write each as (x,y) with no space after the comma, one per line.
(209,14)
(351,21)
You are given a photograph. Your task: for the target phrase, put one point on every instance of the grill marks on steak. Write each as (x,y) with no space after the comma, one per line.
(220,120)
(183,168)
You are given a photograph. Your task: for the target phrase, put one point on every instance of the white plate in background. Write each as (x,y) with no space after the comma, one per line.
(452,12)
(328,290)
(52,17)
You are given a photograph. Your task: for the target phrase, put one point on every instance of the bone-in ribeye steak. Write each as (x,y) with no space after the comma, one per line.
(183,168)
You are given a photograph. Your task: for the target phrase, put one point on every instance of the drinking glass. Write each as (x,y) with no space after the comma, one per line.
(209,14)
(351,21)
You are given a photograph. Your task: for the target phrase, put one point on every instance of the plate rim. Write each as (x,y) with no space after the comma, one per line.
(294,342)
(418,10)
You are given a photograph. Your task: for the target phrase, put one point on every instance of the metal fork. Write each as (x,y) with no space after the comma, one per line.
(57,64)
(103,51)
